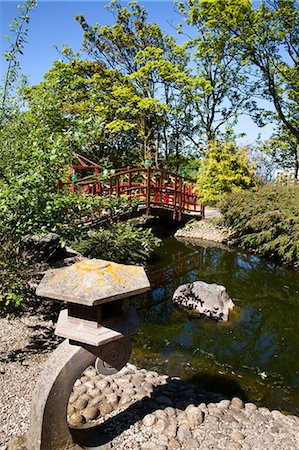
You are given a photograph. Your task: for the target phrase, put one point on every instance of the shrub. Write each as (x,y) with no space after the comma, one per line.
(266,221)
(121,243)
(225,168)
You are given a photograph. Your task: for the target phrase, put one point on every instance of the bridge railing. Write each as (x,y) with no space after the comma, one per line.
(155,188)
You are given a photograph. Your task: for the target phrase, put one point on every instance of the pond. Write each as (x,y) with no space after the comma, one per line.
(255,355)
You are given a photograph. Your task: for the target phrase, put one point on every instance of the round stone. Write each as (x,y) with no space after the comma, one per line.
(149,420)
(76,419)
(90,413)
(105,408)
(171,430)
(89,384)
(174,444)
(192,443)
(170,411)
(183,434)
(71,410)
(159,427)
(250,407)
(79,390)
(112,399)
(73,398)
(80,404)
(237,403)
(224,404)
(151,445)
(95,401)
(94,392)
(194,415)
(101,384)
(90,372)
(237,436)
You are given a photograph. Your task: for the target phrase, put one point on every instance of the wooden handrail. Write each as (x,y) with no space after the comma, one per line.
(157,187)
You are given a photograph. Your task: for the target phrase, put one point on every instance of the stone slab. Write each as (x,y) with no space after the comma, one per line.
(93,281)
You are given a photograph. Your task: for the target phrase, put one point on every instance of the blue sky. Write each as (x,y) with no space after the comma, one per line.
(52,23)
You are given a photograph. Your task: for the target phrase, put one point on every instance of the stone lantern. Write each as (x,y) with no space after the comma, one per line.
(96,325)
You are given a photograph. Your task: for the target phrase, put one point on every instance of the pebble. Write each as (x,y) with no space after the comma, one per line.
(76,419)
(90,413)
(149,420)
(154,421)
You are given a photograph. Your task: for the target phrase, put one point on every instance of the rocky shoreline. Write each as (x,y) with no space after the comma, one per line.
(207,230)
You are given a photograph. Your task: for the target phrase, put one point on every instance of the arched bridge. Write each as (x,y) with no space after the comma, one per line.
(159,192)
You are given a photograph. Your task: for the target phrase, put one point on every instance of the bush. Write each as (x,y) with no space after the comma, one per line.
(266,222)
(226,168)
(14,276)
(120,243)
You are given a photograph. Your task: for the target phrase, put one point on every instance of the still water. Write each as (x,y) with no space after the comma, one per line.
(255,355)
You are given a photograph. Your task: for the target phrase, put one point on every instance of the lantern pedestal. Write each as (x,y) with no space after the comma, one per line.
(96,325)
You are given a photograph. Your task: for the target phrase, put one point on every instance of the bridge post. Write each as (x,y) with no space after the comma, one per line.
(180,199)
(117,185)
(148,190)
(175,197)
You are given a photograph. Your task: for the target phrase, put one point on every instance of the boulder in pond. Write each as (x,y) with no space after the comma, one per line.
(203,299)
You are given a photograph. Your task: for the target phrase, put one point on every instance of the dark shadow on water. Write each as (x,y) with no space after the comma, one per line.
(228,387)
(176,393)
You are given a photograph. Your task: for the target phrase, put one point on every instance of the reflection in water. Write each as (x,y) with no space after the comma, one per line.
(257,348)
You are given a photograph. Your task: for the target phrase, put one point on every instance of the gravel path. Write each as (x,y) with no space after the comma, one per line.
(137,409)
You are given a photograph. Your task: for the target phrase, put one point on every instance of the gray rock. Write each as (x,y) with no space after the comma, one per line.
(192,443)
(250,407)
(151,445)
(194,416)
(203,299)
(183,434)
(237,436)
(237,403)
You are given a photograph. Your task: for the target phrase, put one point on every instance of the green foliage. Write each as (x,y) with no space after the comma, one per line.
(121,243)
(266,221)
(265,38)
(16,40)
(14,288)
(225,168)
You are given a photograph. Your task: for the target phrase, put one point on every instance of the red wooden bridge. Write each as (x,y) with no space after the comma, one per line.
(159,192)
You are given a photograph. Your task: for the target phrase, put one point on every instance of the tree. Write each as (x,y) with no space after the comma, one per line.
(225,168)
(265,38)
(19,31)
(152,61)
(220,89)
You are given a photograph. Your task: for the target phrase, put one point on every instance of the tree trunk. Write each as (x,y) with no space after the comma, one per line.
(297,160)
